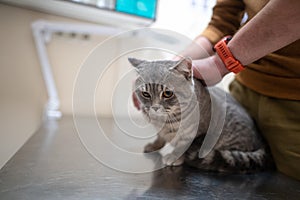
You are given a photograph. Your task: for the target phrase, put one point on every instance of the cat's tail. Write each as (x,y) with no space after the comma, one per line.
(246,162)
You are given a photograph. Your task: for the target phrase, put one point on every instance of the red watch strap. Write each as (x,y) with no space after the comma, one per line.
(226,56)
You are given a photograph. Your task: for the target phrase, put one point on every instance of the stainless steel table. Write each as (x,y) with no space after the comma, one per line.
(53,164)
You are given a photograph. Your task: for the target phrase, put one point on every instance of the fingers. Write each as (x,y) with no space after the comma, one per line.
(196,71)
(136,102)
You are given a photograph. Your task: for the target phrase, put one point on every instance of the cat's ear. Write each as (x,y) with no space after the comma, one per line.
(184,66)
(135,62)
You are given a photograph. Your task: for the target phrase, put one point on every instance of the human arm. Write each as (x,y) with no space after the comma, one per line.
(200,48)
(274,27)
(226,18)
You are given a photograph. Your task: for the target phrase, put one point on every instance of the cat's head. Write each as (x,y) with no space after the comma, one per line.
(163,87)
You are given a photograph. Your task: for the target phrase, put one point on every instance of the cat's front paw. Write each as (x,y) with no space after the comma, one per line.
(172,160)
(151,147)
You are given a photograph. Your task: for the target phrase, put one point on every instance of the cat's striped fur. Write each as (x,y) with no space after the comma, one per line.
(169,97)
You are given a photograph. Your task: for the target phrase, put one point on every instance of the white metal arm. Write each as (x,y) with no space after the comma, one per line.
(42,31)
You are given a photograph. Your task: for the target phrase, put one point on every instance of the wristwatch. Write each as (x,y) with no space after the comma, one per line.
(231,63)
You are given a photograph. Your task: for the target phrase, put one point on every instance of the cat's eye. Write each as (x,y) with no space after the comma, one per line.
(145,95)
(168,94)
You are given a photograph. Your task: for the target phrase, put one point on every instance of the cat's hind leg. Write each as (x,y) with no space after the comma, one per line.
(211,162)
(173,160)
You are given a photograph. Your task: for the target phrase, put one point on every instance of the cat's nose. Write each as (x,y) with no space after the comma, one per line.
(155,107)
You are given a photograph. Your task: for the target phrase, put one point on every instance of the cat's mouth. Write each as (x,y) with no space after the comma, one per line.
(155,115)
(163,117)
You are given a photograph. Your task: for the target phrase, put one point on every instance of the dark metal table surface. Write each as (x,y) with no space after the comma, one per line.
(53,164)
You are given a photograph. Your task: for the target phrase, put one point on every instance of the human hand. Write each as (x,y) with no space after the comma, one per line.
(210,69)
(136,102)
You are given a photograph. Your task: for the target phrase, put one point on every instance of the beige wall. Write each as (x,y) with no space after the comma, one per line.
(22,90)
(66,55)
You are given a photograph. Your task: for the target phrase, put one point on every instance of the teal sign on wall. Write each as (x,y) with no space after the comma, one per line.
(143,8)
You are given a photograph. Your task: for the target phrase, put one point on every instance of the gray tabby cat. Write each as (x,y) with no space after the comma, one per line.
(181,108)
